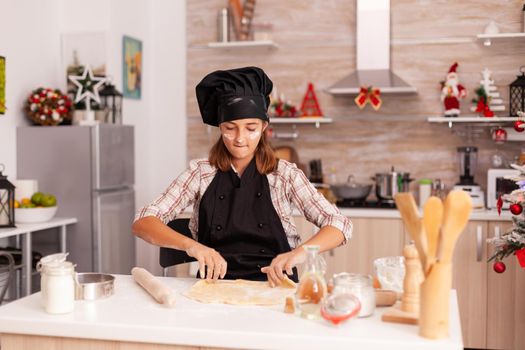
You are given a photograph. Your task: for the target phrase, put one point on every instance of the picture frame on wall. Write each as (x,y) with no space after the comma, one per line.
(131,67)
(2,85)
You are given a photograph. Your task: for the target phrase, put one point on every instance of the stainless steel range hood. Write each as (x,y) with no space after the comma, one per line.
(373,53)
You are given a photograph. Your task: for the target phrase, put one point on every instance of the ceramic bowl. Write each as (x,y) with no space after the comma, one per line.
(34,215)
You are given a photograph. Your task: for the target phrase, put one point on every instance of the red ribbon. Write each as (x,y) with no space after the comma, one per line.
(369,95)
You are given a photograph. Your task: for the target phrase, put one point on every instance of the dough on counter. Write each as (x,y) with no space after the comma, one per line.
(238,292)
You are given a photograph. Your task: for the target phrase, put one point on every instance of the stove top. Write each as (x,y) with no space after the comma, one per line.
(348,203)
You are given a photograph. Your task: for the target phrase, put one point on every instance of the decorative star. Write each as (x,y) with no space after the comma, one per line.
(88,86)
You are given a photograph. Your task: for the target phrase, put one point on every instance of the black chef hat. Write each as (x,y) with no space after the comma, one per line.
(226,95)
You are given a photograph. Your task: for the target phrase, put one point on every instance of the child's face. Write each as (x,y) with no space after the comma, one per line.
(242,136)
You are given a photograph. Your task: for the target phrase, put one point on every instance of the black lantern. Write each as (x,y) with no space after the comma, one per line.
(7,201)
(111,103)
(517,94)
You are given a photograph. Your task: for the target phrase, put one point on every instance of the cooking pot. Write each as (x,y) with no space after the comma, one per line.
(390,184)
(351,190)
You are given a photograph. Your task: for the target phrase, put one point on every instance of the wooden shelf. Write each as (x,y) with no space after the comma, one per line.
(243,44)
(304,120)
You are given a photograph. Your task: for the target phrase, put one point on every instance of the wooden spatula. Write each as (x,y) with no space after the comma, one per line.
(408,209)
(432,219)
(457,208)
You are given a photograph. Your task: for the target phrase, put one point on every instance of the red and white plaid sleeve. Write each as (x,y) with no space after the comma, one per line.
(314,205)
(181,193)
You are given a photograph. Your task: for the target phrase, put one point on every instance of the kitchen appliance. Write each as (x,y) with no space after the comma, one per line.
(468,157)
(90,169)
(497,186)
(373,53)
(316,171)
(351,190)
(389,184)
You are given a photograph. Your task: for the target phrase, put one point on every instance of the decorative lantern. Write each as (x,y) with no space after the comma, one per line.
(111,103)
(517,94)
(7,201)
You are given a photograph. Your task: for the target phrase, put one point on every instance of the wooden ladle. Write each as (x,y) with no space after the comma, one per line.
(457,208)
(409,213)
(432,219)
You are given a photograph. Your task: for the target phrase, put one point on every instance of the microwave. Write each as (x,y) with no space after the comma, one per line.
(497,186)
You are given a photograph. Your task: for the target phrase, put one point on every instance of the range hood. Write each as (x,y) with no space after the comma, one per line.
(373,53)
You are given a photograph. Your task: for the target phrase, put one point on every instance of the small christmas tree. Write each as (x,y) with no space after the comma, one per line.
(513,241)
(488,100)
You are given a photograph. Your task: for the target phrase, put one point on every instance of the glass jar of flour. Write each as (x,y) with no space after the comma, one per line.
(57,283)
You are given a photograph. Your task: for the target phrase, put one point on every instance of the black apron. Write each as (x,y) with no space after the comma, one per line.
(237,218)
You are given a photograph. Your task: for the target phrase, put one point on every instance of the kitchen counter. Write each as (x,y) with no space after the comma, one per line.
(132,316)
(485,214)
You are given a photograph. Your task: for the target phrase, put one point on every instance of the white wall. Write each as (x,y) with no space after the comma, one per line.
(30,33)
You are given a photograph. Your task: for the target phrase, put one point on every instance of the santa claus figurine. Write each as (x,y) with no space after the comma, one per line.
(451,92)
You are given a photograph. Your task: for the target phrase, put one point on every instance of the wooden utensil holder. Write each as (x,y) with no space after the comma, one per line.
(435,302)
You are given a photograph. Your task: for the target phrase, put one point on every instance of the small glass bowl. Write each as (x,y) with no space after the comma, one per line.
(390,272)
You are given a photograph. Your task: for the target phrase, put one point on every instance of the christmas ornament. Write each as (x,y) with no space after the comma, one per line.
(516,208)
(518,125)
(451,92)
(520,255)
(281,108)
(45,106)
(310,106)
(499,267)
(369,95)
(499,135)
(88,86)
(499,205)
(488,98)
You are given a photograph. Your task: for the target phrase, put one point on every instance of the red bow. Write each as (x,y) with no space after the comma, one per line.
(484,108)
(369,95)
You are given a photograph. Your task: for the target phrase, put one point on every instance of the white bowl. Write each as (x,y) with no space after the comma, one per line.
(33,215)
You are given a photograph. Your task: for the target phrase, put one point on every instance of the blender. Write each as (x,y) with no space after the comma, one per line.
(468,158)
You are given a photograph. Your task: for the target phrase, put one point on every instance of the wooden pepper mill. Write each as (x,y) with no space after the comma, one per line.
(408,310)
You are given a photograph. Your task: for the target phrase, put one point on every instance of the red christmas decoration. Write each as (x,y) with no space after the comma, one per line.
(516,208)
(499,136)
(518,125)
(369,95)
(499,267)
(310,106)
(499,205)
(520,254)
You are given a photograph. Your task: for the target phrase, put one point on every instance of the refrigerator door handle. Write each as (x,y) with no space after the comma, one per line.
(97,238)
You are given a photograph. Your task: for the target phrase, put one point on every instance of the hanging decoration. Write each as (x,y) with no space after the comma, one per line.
(369,95)
(310,106)
(499,267)
(451,92)
(499,135)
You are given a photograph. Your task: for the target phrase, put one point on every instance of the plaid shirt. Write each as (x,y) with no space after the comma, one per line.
(289,189)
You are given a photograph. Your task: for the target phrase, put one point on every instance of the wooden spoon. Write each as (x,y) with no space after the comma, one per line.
(408,209)
(458,206)
(432,218)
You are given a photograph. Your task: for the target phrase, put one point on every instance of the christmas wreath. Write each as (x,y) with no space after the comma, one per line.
(46,106)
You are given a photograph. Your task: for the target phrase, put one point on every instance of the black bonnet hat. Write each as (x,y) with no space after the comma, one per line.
(227,95)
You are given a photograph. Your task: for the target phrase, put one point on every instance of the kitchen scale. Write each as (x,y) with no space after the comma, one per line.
(468,157)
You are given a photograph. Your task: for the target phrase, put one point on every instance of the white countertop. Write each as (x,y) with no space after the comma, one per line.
(484,215)
(132,315)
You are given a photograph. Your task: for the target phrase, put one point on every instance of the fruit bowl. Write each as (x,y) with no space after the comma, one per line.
(33,215)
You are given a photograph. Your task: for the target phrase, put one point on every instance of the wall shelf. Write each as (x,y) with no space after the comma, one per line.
(304,120)
(243,44)
(472,120)
(487,38)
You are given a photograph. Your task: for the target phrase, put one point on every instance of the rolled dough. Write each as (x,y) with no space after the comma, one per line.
(239,292)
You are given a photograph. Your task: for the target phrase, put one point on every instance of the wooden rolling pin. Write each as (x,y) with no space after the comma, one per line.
(154,286)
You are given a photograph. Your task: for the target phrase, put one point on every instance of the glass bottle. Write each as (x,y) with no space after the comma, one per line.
(341,304)
(312,286)
(362,287)
(57,283)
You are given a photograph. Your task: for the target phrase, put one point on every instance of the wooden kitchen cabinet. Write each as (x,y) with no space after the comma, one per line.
(506,301)
(470,281)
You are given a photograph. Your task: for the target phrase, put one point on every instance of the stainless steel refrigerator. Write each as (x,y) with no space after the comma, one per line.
(90,169)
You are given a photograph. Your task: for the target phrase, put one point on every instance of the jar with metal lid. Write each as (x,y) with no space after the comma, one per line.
(57,283)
